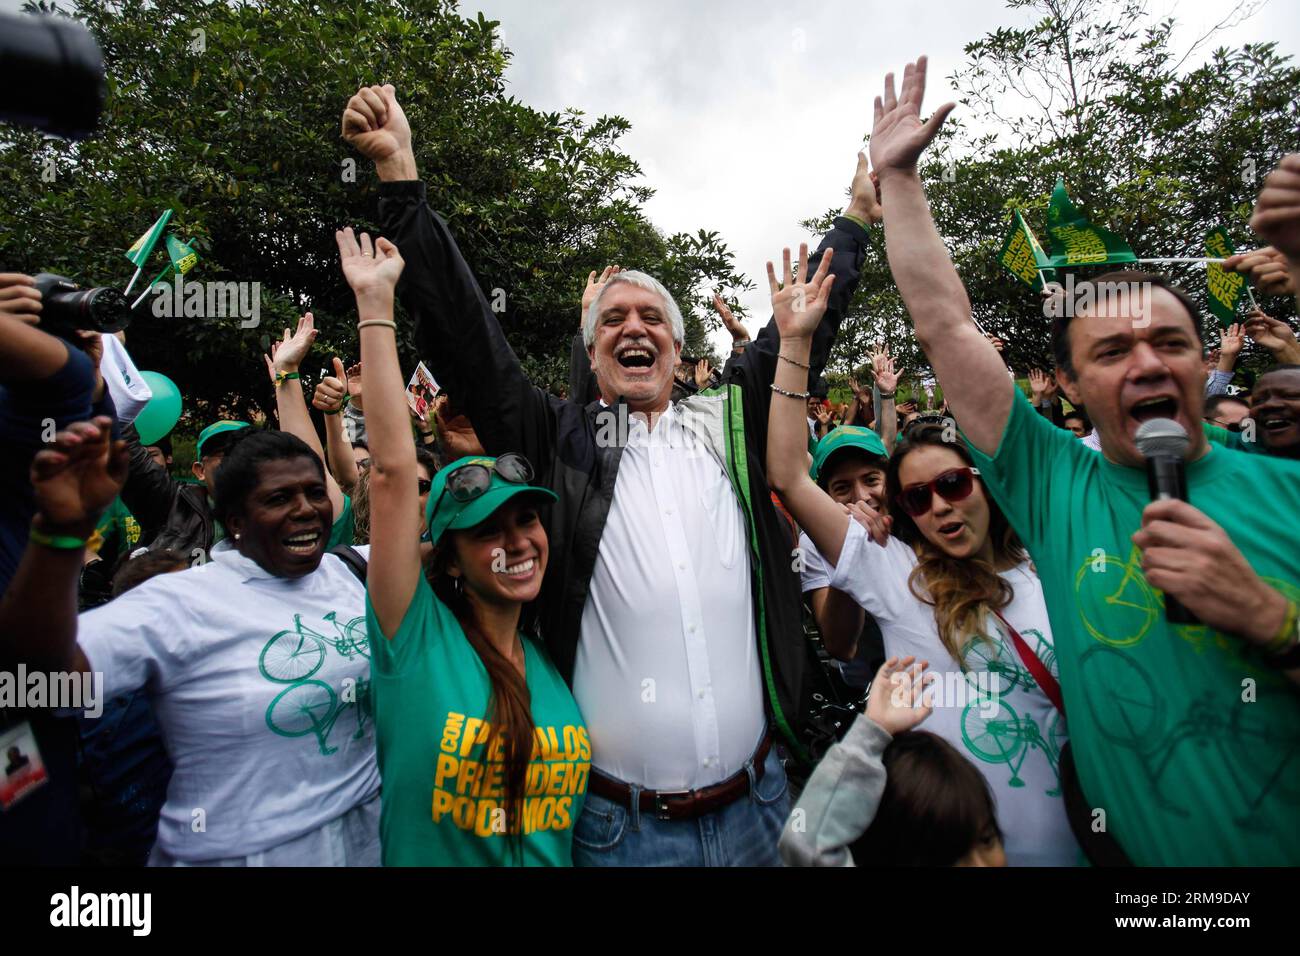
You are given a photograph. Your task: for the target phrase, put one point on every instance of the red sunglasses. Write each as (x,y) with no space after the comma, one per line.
(953,485)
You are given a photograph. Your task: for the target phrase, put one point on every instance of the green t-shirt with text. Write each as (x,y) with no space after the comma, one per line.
(442,792)
(1187,741)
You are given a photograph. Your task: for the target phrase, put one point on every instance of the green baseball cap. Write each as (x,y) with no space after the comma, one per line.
(453,515)
(216,428)
(846,436)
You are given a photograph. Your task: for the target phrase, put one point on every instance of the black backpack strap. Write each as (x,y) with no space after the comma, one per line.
(352,558)
(1101,848)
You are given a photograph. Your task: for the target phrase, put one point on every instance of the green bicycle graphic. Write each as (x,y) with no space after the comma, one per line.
(312,707)
(1131,605)
(1004,668)
(1262,752)
(292,656)
(1008,738)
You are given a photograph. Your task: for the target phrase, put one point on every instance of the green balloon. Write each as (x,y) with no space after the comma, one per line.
(161,413)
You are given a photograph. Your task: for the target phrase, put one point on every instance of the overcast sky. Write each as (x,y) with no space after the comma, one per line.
(747,114)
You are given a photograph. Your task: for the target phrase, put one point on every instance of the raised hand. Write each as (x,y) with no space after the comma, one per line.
(79,476)
(371,270)
(287,354)
(899,137)
(798,305)
(331,390)
(19,298)
(702,374)
(882,366)
(1232,341)
(897,701)
(1266,268)
(1277,210)
(594,286)
(375,124)
(1273,334)
(354,384)
(1042,385)
(865,192)
(738,332)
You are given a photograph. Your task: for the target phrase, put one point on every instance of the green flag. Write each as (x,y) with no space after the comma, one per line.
(142,248)
(1024,258)
(182,255)
(1075,241)
(1226,288)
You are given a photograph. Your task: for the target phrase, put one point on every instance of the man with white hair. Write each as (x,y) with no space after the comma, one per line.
(674,614)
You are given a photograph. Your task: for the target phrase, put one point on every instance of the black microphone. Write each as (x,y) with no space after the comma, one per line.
(1163,443)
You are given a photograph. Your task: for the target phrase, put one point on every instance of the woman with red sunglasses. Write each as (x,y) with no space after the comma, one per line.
(948,581)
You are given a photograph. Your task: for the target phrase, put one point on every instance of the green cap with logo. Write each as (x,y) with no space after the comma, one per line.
(216,428)
(846,436)
(453,515)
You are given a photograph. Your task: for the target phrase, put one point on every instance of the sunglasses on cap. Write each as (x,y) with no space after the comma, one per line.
(470,481)
(955,484)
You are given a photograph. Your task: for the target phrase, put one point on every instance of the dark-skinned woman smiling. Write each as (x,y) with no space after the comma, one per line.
(258,666)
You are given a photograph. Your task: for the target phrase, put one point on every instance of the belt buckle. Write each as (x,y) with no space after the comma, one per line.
(661,801)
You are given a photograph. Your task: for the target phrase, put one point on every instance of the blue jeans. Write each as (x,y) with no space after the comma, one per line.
(743,833)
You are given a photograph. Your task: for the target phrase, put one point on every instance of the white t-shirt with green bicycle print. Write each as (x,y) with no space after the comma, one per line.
(992,711)
(261,688)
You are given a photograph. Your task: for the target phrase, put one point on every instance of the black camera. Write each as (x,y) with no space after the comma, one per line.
(66,307)
(51,75)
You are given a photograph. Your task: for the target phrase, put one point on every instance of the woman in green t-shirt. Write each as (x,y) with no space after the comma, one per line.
(482,751)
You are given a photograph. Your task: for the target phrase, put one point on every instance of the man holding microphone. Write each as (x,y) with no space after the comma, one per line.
(1186,737)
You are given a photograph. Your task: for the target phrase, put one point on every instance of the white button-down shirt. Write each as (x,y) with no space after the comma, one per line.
(667,670)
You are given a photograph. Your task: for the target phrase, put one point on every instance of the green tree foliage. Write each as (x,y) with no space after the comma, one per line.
(1094,92)
(229,113)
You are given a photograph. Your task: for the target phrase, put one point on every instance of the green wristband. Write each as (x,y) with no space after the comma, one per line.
(59,542)
(282,377)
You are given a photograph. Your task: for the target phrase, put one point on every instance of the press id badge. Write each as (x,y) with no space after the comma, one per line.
(24,771)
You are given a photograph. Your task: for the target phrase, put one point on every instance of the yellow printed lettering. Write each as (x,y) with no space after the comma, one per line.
(472,725)
(442,801)
(559,773)
(446,768)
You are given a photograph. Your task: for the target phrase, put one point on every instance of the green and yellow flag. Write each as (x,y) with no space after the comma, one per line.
(1226,288)
(1074,241)
(142,248)
(1024,258)
(182,255)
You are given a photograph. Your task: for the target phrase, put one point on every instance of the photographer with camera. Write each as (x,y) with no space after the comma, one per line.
(47,382)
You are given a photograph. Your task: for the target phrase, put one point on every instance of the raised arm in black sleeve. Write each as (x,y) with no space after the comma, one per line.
(458,334)
(755,368)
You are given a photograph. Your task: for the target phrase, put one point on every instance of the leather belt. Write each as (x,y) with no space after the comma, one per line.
(682,804)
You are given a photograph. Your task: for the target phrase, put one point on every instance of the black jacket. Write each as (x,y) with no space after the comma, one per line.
(172,514)
(460,338)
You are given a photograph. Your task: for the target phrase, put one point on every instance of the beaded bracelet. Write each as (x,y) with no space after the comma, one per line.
(780,391)
(792,361)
